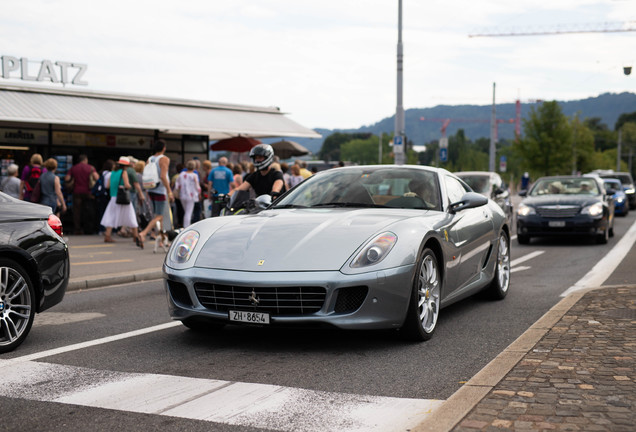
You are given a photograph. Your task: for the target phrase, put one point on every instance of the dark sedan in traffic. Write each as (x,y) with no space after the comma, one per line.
(566,206)
(34,267)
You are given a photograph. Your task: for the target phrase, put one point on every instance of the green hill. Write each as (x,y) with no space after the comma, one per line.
(475,119)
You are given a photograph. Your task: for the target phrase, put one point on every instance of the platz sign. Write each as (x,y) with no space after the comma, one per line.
(44,71)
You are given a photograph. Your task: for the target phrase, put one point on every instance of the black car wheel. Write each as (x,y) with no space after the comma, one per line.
(523,239)
(17,300)
(603,238)
(498,288)
(423,311)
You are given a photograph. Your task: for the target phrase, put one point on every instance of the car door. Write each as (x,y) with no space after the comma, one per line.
(472,230)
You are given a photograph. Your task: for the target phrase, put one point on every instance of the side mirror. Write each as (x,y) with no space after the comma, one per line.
(469,200)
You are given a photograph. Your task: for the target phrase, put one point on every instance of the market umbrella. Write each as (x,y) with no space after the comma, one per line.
(285,149)
(239,144)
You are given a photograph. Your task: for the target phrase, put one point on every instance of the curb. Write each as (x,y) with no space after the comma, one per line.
(77,284)
(459,405)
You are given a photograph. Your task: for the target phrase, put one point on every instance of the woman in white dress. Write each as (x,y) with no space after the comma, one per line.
(189,191)
(118,215)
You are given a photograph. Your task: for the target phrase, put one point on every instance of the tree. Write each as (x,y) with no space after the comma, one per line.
(583,146)
(604,138)
(330,150)
(547,146)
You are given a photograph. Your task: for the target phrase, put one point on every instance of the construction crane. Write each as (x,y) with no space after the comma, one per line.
(446,121)
(604,27)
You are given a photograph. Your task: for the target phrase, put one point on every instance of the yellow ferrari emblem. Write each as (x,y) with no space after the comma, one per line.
(446,235)
(261,262)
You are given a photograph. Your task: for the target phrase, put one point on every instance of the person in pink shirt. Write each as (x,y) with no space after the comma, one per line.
(83,212)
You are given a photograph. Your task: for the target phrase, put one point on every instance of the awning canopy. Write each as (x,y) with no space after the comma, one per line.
(175,116)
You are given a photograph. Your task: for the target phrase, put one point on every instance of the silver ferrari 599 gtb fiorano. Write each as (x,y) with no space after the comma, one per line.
(361,247)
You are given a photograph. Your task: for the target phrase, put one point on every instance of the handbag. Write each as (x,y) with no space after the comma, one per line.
(123,194)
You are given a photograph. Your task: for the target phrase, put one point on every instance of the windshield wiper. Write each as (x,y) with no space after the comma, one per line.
(349,204)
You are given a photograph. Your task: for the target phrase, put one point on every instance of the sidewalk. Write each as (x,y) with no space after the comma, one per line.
(95,263)
(574,369)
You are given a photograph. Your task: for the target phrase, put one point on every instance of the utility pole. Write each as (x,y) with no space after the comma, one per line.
(493,133)
(399,145)
(380,149)
(618,152)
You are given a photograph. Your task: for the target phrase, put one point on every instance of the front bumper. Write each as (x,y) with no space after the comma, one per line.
(383,307)
(535,225)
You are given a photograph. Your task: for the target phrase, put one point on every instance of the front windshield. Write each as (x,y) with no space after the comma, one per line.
(478,183)
(380,186)
(565,186)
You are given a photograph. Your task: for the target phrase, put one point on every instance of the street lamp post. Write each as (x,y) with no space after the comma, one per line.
(398,141)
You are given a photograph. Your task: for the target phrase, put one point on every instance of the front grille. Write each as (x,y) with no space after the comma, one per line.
(558,211)
(350,299)
(275,300)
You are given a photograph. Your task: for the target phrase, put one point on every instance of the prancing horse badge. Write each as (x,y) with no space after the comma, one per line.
(261,262)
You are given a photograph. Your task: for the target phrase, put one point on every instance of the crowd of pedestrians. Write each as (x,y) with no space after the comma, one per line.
(117,200)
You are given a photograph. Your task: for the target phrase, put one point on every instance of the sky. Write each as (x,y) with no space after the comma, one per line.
(330,63)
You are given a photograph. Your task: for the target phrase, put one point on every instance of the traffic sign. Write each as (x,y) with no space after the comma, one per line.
(443,154)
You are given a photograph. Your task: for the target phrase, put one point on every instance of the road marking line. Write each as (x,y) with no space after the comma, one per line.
(90,254)
(606,266)
(522,268)
(526,258)
(59,318)
(102,262)
(246,405)
(87,344)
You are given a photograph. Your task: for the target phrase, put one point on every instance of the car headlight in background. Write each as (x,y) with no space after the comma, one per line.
(375,250)
(525,210)
(620,200)
(184,246)
(630,191)
(593,210)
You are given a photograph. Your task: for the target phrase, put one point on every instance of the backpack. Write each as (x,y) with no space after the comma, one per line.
(99,189)
(150,177)
(34,178)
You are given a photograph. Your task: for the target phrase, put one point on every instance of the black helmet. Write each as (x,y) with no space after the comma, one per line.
(265,150)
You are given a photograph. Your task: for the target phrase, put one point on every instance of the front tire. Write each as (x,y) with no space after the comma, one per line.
(498,288)
(17,299)
(424,306)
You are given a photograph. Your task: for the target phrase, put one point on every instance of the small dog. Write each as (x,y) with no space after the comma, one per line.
(165,238)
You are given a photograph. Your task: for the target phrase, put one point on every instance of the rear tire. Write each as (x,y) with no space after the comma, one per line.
(424,306)
(498,288)
(17,300)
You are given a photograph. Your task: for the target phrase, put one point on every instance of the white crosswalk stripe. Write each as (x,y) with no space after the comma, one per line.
(241,404)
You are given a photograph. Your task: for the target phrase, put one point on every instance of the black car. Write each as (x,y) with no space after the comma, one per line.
(491,185)
(34,267)
(566,205)
(628,184)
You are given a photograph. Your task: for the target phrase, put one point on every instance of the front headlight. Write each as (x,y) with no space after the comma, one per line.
(629,191)
(593,210)
(525,210)
(620,200)
(375,250)
(184,246)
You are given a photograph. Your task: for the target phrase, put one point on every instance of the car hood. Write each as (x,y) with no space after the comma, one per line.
(564,200)
(294,240)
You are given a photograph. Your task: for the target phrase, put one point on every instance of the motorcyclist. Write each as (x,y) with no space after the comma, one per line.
(265,180)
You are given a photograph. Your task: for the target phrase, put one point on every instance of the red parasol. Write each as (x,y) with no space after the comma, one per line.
(239,144)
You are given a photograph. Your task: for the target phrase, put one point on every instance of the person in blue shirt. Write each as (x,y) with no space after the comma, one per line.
(220,179)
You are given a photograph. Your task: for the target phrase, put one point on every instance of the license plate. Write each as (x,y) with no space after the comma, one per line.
(556,224)
(249,317)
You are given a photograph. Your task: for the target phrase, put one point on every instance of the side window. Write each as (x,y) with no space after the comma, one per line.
(454,189)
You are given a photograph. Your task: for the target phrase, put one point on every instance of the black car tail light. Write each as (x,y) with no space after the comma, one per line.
(56,224)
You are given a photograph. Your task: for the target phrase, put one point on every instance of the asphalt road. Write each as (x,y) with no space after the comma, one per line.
(340,367)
